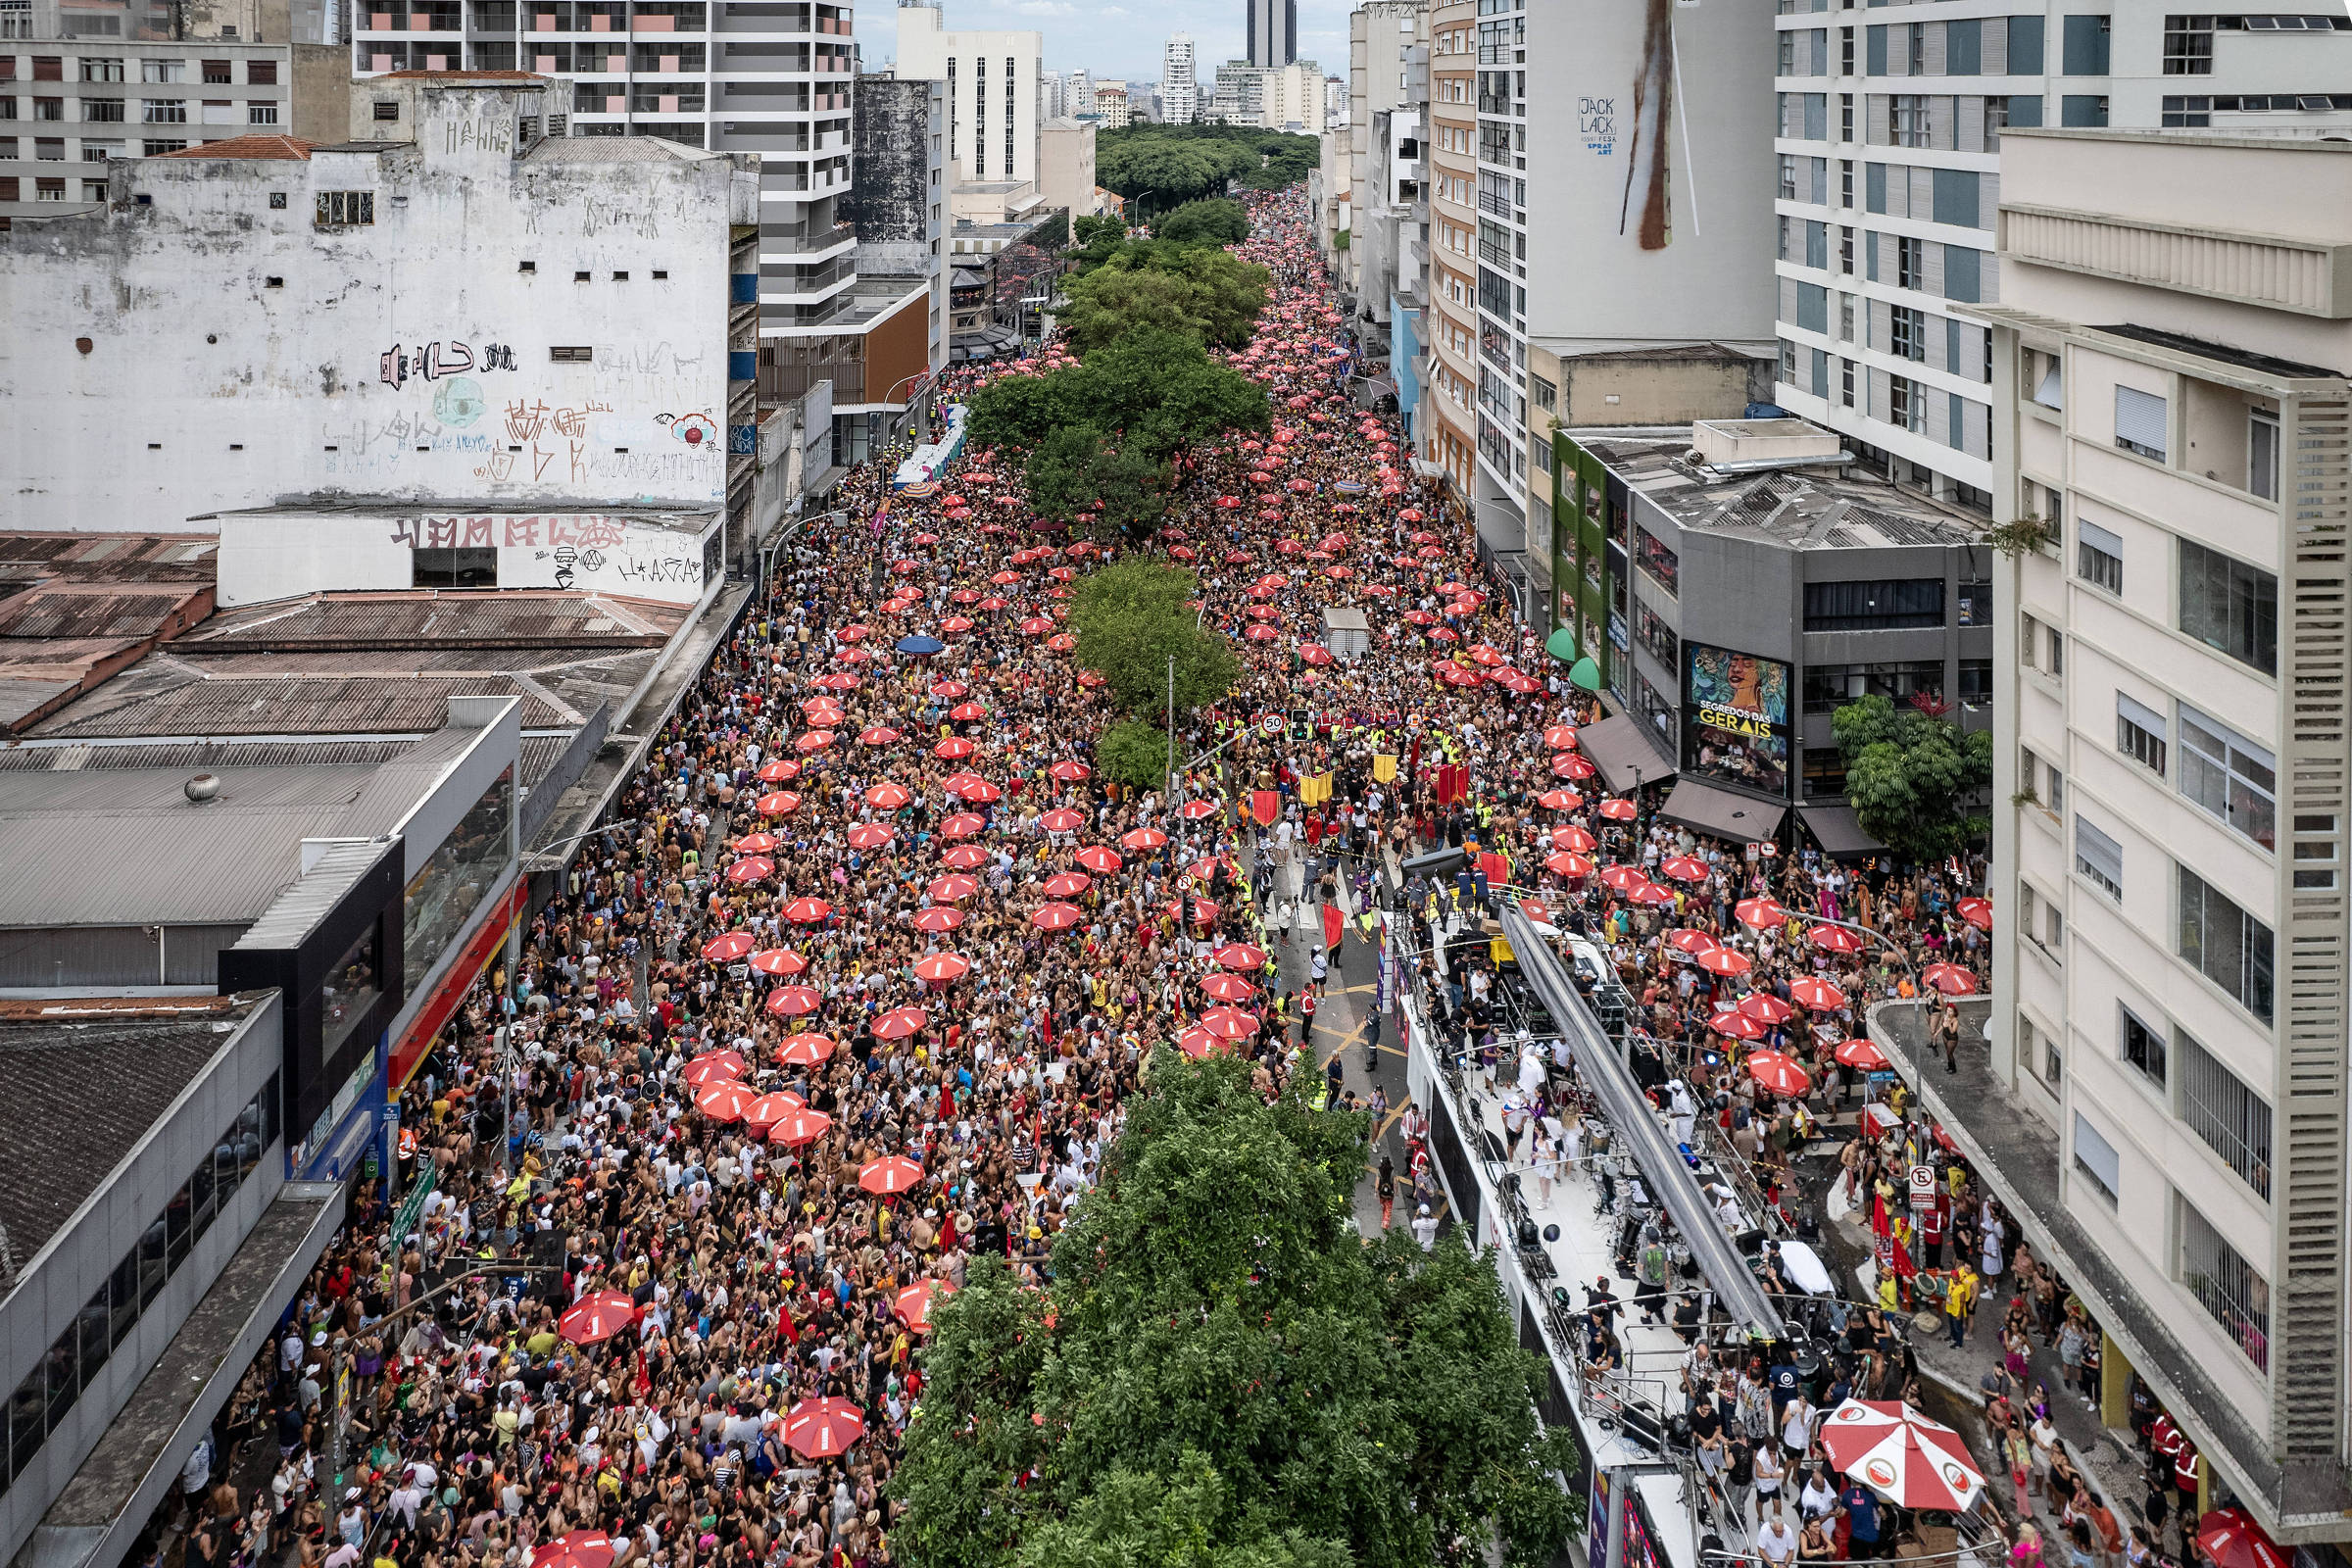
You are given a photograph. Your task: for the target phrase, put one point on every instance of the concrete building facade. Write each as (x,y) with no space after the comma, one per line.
(1449,427)
(1179,81)
(1065,166)
(2172,459)
(1273,33)
(275,335)
(992,91)
(1889,140)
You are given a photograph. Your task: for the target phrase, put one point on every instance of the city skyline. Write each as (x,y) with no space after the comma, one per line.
(1118,41)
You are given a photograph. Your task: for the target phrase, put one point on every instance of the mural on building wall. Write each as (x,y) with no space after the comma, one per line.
(695,429)
(1645,203)
(441,357)
(1735,718)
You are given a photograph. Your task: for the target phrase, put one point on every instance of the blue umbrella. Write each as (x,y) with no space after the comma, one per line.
(920,646)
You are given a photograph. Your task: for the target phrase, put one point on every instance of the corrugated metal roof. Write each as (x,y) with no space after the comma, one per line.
(129,610)
(205,756)
(313,895)
(135,703)
(508,618)
(119,846)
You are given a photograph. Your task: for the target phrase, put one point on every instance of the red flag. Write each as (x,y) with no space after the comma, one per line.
(1495,869)
(1334,925)
(784,1326)
(1265,807)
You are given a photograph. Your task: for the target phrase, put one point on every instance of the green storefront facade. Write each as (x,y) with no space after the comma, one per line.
(1589,527)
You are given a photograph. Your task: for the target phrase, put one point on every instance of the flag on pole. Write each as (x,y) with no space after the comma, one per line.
(1334,925)
(1265,807)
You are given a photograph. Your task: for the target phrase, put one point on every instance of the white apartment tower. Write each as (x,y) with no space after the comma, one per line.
(1889,142)
(1179,85)
(2172,448)
(992,91)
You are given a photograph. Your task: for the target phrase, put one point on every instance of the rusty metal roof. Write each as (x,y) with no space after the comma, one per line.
(510,618)
(95,609)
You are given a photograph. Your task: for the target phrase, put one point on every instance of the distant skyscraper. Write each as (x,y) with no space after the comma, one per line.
(1179,86)
(1273,34)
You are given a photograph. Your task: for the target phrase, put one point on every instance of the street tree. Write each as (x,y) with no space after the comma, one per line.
(1076,476)
(1912,775)
(1132,619)
(1223,1374)
(1218,221)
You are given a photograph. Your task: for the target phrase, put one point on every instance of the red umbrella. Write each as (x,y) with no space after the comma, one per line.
(1063,820)
(1141,838)
(1560,738)
(1619,810)
(1572,837)
(877,735)
(1564,862)
(1760,912)
(949,889)
(1903,1455)
(869,836)
(1649,893)
(804,1051)
(1949,978)
(751,868)
(942,967)
(962,825)
(576,1548)
(1687,938)
(1816,994)
(1570,766)
(822,1428)
(1069,772)
(1099,858)
(1229,1023)
(2227,1539)
(913,1304)
(887,797)
(1736,1024)
(1765,1008)
(1241,955)
(801,1127)
(1976,912)
(1057,917)
(1559,800)
(1197,810)
(967,712)
(724,1100)
(595,1318)
(1197,1042)
(816,740)
(1685,867)
(899,1022)
(779,771)
(1067,884)
(791,1001)
(896,1174)
(770,1108)
(964,857)
(1228,988)
(729,946)
(1622,877)
(1862,1054)
(783,802)
(778,960)
(1723,961)
(712,1066)
(1777,1073)
(807,911)
(954,749)
(1834,939)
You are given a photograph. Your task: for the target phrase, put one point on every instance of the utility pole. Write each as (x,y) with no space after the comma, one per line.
(1169,794)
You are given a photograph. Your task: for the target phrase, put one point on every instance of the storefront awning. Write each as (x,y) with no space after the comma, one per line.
(1839,831)
(1619,747)
(1742,818)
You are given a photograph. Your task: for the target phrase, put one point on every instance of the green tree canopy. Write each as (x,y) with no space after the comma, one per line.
(1133,752)
(1910,776)
(1200,290)
(1131,618)
(1224,1375)
(1075,467)
(1161,166)
(1217,221)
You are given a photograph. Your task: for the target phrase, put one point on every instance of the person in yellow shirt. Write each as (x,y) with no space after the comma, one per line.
(1959,1300)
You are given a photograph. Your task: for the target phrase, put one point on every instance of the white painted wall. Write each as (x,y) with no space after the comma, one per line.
(237,354)
(924,50)
(281,553)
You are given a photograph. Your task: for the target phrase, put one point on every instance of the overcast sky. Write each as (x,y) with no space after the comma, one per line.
(1121,39)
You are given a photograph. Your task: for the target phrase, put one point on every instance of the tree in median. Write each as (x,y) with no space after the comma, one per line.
(1161,285)
(1131,618)
(1219,220)
(1910,776)
(1222,1367)
(1076,476)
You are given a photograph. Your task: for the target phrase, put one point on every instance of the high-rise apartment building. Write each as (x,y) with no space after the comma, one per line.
(100,79)
(1110,102)
(1273,33)
(2166,1109)
(1294,99)
(1888,143)
(1640,235)
(1447,427)
(992,91)
(1179,81)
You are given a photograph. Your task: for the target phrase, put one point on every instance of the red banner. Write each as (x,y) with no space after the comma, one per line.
(1265,807)
(1334,925)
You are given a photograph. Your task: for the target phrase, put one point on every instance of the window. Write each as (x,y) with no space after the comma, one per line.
(581,354)
(2262,455)
(163,112)
(1546,395)
(2225,945)
(2139,423)
(2049,388)
(346,208)
(1829,687)
(156,148)
(1659,561)
(2143,1047)
(2233,1121)
(1906,333)
(1885,605)
(163,71)
(261,72)
(95,69)
(2226,1284)
(1910,119)
(2053,922)
(2228,605)
(1906,407)
(2188,46)
(2095,1157)
(2100,556)
(1788,185)
(1976,603)
(261,113)
(465,567)
(48,190)
(1824,773)
(1909,264)
(2139,733)
(218,73)
(2099,857)
(102,111)
(2229,776)
(1975,683)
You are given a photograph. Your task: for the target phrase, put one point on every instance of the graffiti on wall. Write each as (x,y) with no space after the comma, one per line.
(441,357)
(695,429)
(569,549)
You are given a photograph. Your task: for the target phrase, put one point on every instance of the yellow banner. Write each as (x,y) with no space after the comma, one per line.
(1383,767)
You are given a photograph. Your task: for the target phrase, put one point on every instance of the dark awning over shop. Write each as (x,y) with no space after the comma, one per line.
(1839,831)
(1741,817)
(1621,749)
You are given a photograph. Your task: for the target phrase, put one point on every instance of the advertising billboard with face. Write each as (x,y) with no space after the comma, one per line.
(1736,718)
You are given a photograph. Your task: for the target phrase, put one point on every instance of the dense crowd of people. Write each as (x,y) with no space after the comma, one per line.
(856,988)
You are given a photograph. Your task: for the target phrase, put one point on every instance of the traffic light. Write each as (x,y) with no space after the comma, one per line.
(1303,725)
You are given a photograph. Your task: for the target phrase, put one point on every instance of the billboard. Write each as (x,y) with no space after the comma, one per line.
(1736,718)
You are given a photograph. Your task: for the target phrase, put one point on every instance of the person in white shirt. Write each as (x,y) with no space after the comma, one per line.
(1776,1541)
(1425,1229)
